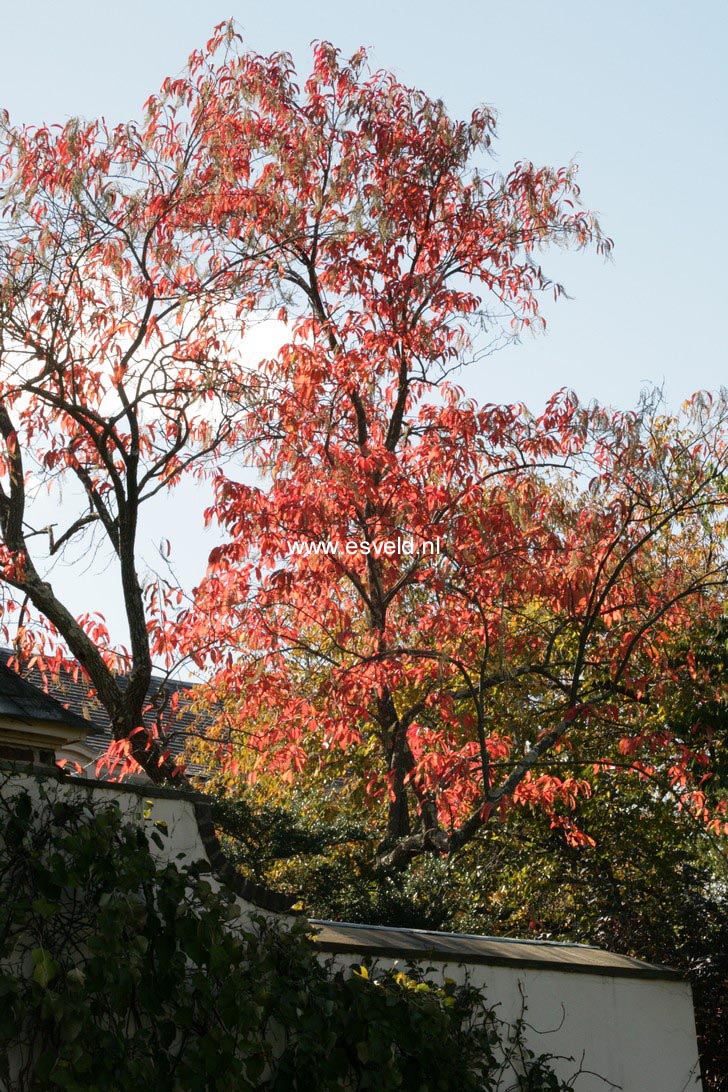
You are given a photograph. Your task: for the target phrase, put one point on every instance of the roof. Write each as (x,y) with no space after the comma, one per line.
(70,705)
(70,694)
(25,701)
(421,944)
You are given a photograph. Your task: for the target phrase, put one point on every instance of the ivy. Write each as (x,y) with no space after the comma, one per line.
(121,973)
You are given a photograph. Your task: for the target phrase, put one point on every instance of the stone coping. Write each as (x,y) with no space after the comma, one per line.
(56,773)
(419,945)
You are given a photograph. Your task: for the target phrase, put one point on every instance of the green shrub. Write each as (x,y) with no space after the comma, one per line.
(121,973)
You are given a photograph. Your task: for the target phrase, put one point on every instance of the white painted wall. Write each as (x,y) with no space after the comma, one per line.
(638,1034)
(141,807)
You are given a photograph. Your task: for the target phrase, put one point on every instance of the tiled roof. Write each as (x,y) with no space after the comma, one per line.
(69,702)
(22,699)
(67,692)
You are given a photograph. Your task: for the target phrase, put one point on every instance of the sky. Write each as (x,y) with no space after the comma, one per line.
(634,92)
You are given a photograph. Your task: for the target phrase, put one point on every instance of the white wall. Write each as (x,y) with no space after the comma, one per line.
(143,806)
(637,1033)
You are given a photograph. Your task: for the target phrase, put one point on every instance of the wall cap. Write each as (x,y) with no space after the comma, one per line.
(422,944)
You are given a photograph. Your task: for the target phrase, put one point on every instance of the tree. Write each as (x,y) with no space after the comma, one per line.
(568,548)
(455,592)
(117,373)
(120,972)
(130,258)
(648,879)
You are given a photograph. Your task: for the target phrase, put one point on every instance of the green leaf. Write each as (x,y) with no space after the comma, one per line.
(45,969)
(45,907)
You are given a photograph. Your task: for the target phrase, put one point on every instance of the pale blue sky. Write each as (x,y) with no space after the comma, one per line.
(636,93)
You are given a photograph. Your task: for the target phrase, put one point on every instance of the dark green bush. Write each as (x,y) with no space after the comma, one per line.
(120,974)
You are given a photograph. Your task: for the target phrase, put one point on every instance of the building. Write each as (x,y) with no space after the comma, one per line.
(68,696)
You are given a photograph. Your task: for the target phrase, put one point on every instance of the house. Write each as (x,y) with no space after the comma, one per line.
(70,697)
(34,726)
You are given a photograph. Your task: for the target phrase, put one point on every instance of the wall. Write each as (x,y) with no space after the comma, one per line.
(630,1023)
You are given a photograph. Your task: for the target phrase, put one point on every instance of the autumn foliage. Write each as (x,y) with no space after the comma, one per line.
(572,549)
(571,563)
